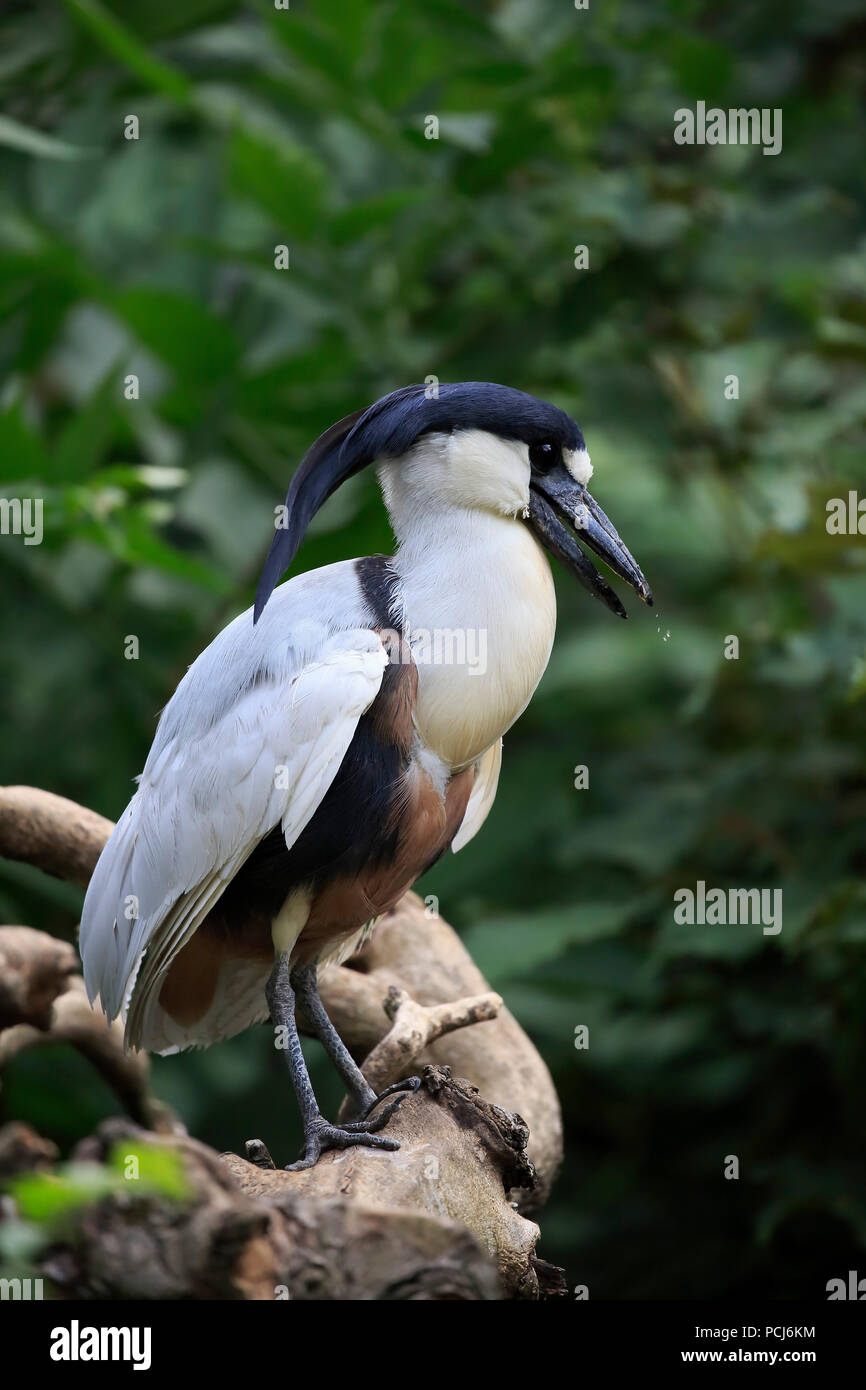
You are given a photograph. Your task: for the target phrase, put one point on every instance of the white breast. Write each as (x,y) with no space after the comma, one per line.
(481,610)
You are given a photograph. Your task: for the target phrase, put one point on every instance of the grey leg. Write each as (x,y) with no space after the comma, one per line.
(305,985)
(318,1134)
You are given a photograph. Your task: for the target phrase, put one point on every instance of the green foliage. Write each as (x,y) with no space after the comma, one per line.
(455,256)
(48,1203)
(48,1198)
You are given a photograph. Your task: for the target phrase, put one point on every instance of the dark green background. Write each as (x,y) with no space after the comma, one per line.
(455,257)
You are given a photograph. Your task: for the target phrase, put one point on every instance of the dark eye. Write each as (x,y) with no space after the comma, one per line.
(543,457)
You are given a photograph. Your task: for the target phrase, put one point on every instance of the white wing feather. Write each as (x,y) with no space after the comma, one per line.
(252,738)
(481,797)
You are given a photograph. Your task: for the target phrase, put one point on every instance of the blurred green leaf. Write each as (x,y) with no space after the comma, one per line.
(287,181)
(122,44)
(35,142)
(181,330)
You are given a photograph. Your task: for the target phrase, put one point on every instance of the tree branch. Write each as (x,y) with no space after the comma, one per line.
(58,836)
(443,1209)
(415,1026)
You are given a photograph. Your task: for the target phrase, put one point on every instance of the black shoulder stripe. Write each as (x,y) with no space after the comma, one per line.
(380,586)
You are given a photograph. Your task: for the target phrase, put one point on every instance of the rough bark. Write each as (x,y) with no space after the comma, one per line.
(226,1242)
(459,1159)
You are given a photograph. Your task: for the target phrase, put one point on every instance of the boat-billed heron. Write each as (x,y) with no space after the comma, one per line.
(331,743)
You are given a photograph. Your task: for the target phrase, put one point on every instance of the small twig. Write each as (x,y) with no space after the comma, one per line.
(415,1026)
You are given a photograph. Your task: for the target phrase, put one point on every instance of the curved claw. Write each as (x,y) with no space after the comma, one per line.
(379,1121)
(410,1084)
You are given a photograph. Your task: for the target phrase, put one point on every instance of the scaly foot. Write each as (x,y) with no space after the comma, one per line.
(322,1136)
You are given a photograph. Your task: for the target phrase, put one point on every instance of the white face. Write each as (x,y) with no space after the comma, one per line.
(469,469)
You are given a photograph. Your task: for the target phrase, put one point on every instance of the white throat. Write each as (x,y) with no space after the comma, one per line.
(480,608)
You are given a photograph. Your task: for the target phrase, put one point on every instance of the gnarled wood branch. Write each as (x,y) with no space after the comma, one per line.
(58,836)
(413,1000)
(230,1240)
(73,1021)
(415,1026)
(34,969)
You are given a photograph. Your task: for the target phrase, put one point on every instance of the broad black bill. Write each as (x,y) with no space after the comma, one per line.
(556,498)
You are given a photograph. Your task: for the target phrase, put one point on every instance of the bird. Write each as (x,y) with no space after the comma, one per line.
(332,742)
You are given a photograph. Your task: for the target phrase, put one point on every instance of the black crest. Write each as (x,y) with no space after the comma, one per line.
(388,429)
